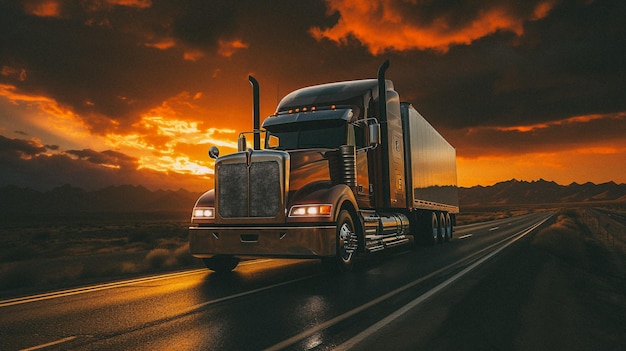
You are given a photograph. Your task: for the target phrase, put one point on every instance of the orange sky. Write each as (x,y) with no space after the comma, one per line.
(96,93)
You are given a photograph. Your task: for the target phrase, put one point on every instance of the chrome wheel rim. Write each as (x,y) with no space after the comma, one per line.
(345,237)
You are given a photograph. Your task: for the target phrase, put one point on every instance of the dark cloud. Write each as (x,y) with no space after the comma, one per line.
(103,73)
(20,148)
(24,164)
(578,133)
(105,158)
(567,64)
(109,64)
(203,23)
(534,62)
(461,14)
(397,25)
(95,59)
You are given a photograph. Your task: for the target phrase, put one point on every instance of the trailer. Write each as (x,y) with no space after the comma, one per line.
(343,172)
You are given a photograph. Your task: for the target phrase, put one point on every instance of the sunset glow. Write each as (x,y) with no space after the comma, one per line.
(49,8)
(139,90)
(383,26)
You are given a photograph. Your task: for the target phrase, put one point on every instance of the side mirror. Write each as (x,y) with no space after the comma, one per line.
(214,152)
(241,143)
(374,134)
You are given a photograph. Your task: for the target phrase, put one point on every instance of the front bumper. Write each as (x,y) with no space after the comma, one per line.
(283,242)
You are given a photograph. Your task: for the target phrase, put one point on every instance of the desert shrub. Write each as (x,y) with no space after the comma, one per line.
(562,239)
(562,243)
(129,267)
(91,271)
(15,276)
(21,253)
(182,255)
(140,236)
(158,258)
(570,239)
(41,236)
(118,242)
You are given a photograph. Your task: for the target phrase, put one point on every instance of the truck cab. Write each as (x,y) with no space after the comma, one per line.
(330,183)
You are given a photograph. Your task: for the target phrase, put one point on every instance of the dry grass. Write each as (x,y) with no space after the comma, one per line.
(576,238)
(65,251)
(566,238)
(477,214)
(61,251)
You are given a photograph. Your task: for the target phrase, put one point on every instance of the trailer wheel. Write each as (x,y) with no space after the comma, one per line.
(442,228)
(435,230)
(428,229)
(347,244)
(447,230)
(221,264)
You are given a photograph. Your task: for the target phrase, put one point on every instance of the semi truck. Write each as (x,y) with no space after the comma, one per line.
(347,169)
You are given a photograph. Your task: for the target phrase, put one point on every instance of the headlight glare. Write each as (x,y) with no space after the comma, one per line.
(203,212)
(313,210)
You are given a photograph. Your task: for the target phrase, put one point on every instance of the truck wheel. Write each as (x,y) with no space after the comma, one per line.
(447,230)
(347,244)
(432,230)
(221,264)
(442,228)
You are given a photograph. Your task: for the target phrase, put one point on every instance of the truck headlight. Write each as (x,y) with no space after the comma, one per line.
(313,210)
(203,213)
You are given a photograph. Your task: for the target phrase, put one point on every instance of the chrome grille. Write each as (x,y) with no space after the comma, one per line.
(252,191)
(264,189)
(233,190)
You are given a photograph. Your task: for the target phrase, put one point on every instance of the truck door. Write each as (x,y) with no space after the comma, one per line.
(357,136)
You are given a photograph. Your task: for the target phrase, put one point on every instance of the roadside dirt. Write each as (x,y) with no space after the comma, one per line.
(51,253)
(562,288)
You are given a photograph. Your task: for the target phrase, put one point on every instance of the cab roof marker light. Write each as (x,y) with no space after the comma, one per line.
(307,109)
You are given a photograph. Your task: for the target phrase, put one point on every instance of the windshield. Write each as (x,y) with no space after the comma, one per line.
(326,134)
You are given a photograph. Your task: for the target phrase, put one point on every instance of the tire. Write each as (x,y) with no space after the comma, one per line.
(347,245)
(447,230)
(442,228)
(431,230)
(221,264)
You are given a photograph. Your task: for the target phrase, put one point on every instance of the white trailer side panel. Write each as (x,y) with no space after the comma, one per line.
(430,165)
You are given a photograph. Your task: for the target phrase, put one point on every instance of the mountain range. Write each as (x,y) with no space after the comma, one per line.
(130,198)
(69,199)
(515,192)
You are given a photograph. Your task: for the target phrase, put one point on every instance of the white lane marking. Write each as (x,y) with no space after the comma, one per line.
(92,288)
(390,318)
(494,228)
(98,287)
(348,344)
(52,343)
(466,236)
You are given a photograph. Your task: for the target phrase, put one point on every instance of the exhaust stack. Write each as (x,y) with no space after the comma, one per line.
(256,118)
(382,88)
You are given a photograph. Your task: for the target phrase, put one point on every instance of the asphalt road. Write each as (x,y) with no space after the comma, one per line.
(404,299)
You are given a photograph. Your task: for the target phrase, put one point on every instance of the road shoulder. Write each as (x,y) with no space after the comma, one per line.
(525,298)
